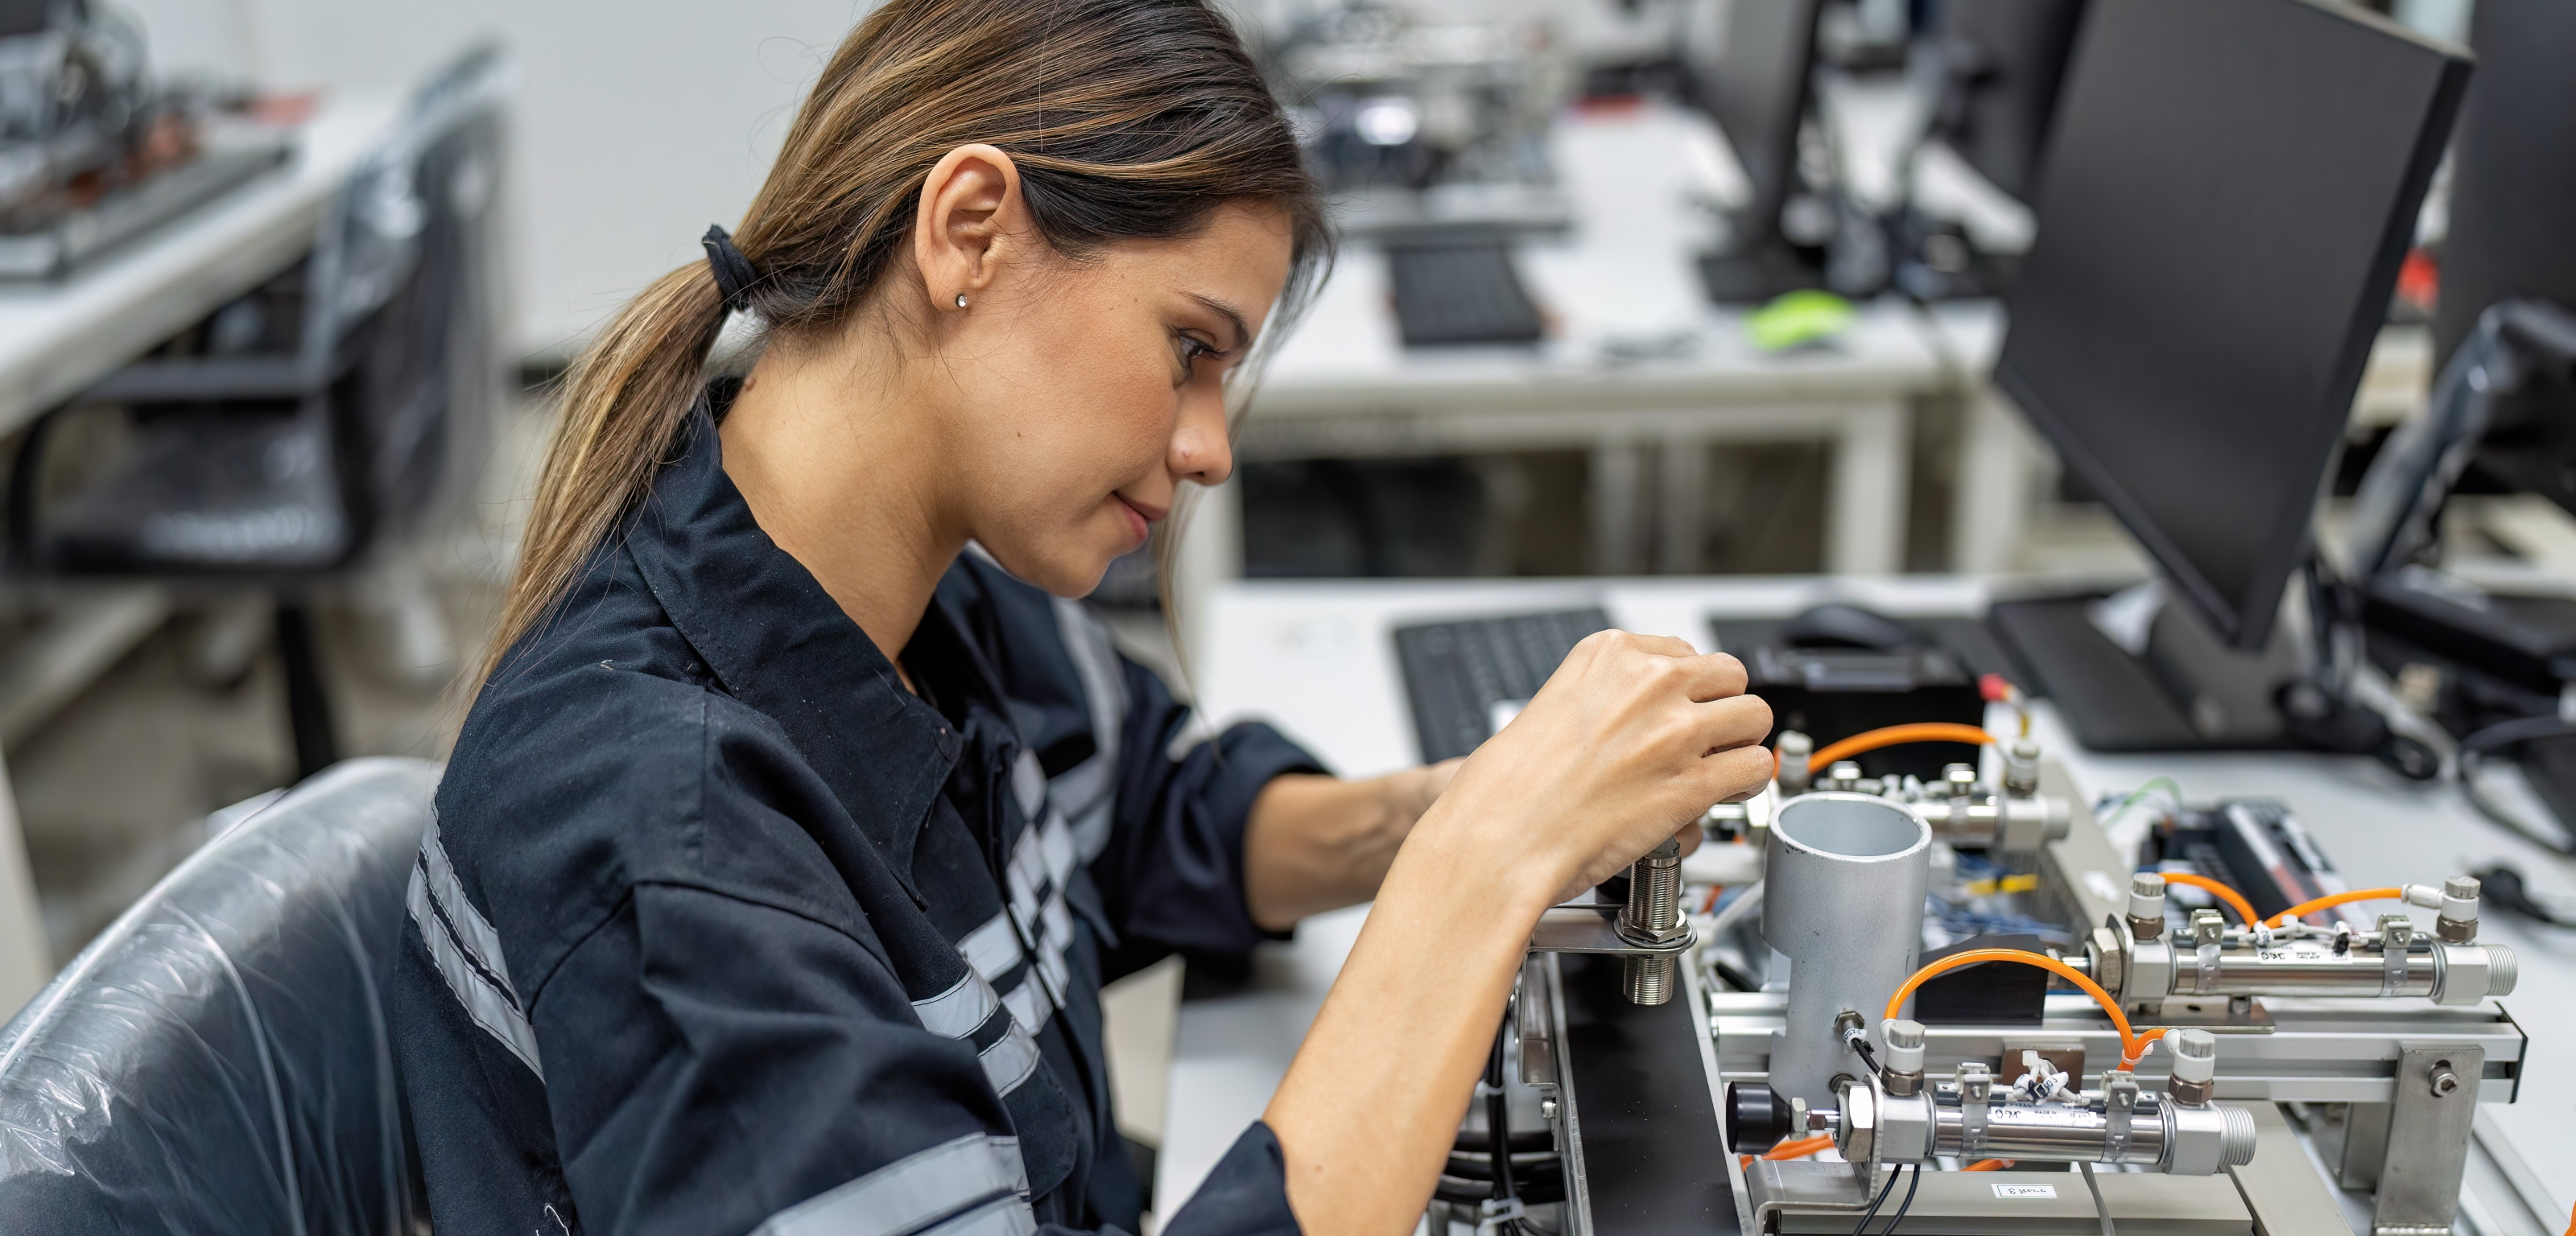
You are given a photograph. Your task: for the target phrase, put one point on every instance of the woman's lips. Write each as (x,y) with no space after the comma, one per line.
(1140,520)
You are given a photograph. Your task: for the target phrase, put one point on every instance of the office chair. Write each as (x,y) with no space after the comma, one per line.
(308,422)
(217,1061)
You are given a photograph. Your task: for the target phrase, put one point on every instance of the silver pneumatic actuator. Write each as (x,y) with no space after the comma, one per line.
(2142,964)
(1902,1119)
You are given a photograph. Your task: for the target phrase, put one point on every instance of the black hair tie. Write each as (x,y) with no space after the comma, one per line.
(734,275)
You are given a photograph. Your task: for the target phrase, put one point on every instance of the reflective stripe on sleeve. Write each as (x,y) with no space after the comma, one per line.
(971,1185)
(1010,1060)
(956,1012)
(467,951)
(993,948)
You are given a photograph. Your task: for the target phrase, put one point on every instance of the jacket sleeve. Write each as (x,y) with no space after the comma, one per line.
(1171,875)
(718,1065)
(1247,1193)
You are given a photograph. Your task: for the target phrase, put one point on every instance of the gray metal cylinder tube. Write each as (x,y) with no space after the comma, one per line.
(1843,904)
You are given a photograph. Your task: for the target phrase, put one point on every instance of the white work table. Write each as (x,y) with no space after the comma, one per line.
(57,339)
(1639,369)
(1317,660)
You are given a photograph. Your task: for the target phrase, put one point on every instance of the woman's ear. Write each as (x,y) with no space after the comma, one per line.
(969,224)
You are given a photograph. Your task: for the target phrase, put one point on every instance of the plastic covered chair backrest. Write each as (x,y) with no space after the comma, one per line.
(218,1060)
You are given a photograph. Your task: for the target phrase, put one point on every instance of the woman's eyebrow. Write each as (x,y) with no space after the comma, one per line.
(1234,316)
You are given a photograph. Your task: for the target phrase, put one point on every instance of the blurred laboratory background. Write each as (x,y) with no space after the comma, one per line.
(1674,288)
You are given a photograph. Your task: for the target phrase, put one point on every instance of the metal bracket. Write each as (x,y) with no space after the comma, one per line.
(2428,1140)
(1595,929)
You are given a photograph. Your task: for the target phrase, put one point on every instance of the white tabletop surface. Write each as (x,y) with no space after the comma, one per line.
(56,339)
(1623,277)
(1316,660)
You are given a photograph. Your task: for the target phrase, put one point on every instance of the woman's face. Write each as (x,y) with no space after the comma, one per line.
(1086,391)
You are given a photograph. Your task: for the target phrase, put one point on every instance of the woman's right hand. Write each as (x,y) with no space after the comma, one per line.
(1631,739)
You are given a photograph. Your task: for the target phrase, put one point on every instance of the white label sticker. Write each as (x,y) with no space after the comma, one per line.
(2005,1190)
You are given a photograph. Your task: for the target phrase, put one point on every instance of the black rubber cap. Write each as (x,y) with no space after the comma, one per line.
(1757,1118)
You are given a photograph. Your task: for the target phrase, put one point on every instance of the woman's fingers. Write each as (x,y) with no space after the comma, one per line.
(1657,663)
(1733,722)
(1734,775)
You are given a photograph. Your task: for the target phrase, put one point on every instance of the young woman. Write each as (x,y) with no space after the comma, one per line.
(796,823)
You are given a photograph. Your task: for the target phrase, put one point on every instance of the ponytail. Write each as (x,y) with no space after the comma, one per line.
(1129,120)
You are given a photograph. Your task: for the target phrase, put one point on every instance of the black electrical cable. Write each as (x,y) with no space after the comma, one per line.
(1907,1204)
(1862,1046)
(2522,729)
(1733,977)
(1498,1129)
(2470,761)
(1883,1191)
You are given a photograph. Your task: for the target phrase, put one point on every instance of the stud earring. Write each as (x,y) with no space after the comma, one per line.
(961,300)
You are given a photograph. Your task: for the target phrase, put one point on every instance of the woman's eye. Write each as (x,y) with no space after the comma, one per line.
(1188,349)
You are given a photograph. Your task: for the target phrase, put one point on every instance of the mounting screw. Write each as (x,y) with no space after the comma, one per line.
(2445,1082)
(1547,1109)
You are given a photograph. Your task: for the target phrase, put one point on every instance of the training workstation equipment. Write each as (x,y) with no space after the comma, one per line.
(2502,416)
(2362,1056)
(2231,189)
(2125,1032)
(1757,86)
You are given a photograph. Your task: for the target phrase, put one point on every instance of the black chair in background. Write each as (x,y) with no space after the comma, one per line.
(290,437)
(218,1061)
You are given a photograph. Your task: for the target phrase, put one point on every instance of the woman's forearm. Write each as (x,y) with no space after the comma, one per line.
(1316,843)
(1367,1112)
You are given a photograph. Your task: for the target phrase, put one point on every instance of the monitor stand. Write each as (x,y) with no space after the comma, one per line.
(1757,275)
(2183,690)
(2130,674)
(1936,260)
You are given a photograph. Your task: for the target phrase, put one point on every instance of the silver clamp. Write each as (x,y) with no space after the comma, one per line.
(2119,1101)
(2396,939)
(1976,1082)
(2209,933)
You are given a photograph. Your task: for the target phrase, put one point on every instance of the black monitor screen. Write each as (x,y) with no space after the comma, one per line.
(2231,186)
(1757,91)
(2513,171)
(2010,58)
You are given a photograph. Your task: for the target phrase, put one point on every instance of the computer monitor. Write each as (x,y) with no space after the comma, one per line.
(1755,85)
(1756,88)
(2232,186)
(2512,227)
(2004,61)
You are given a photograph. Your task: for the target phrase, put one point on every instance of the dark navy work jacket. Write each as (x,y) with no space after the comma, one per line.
(718,929)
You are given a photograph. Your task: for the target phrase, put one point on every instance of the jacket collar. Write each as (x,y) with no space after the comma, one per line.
(779,643)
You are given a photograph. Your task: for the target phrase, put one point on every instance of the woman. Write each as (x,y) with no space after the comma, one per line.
(796,825)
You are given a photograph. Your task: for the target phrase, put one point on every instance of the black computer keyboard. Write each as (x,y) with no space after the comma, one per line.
(1460,293)
(1455,672)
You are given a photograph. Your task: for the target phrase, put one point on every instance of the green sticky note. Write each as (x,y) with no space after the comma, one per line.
(1798,319)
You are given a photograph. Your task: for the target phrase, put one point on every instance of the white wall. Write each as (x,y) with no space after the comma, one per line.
(639,121)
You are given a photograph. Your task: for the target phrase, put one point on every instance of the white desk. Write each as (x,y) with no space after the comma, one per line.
(1622,282)
(58,339)
(1316,659)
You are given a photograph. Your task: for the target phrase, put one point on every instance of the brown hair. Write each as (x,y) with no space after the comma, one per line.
(1128,119)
